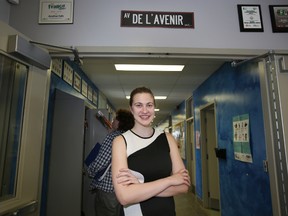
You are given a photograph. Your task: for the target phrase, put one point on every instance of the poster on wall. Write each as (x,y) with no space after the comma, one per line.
(56,11)
(241,139)
(179,135)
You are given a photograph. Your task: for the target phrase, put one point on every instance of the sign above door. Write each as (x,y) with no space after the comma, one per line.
(157,19)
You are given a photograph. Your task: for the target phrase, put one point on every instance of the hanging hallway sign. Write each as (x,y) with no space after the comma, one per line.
(157,19)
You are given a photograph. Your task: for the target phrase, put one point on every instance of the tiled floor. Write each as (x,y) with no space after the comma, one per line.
(187,205)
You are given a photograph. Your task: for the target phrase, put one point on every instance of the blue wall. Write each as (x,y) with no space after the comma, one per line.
(179,114)
(244,187)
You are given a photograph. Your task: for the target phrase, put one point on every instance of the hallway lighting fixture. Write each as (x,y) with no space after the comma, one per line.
(146,67)
(156,97)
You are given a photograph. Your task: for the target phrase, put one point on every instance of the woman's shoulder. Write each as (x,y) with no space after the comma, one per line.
(169,135)
(158,132)
(127,133)
(119,138)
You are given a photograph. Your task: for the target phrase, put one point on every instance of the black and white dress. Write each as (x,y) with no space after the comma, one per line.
(150,158)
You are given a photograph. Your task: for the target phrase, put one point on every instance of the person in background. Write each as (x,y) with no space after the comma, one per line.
(153,157)
(106,203)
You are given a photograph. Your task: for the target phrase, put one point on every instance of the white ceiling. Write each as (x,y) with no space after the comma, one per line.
(98,65)
(177,86)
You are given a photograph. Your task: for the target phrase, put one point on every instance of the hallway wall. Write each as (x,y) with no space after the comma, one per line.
(96,27)
(57,82)
(244,187)
(5,11)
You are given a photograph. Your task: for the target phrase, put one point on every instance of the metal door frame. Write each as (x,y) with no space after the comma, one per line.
(270,68)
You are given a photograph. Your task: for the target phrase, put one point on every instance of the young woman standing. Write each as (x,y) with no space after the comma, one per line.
(153,157)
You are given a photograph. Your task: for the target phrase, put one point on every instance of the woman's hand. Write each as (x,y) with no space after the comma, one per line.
(126,177)
(181,177)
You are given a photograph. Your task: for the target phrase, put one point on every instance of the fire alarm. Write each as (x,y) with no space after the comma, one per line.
(15,2)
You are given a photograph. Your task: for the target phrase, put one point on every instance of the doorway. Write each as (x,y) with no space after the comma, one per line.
(64,181)
(190,151)
(210,167)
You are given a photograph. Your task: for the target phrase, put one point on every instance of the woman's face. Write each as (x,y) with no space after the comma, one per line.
(143,108)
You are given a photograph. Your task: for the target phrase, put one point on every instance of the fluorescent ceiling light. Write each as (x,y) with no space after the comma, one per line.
(156,97)
(156,110)
(145,67)
(160,97)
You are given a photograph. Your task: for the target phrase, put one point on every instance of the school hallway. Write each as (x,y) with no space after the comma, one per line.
(187,205)
(227,106)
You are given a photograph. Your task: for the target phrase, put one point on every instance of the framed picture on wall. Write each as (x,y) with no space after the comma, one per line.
(84,90)
(56,11)
(95,97)
(279,17)
(57,66)
(89,94)
(250,18)
(77,81)
(68,73)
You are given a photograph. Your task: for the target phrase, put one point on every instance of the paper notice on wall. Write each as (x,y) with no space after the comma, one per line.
(241,139)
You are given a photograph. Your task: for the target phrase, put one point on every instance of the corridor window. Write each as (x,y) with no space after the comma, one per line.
(13,78)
